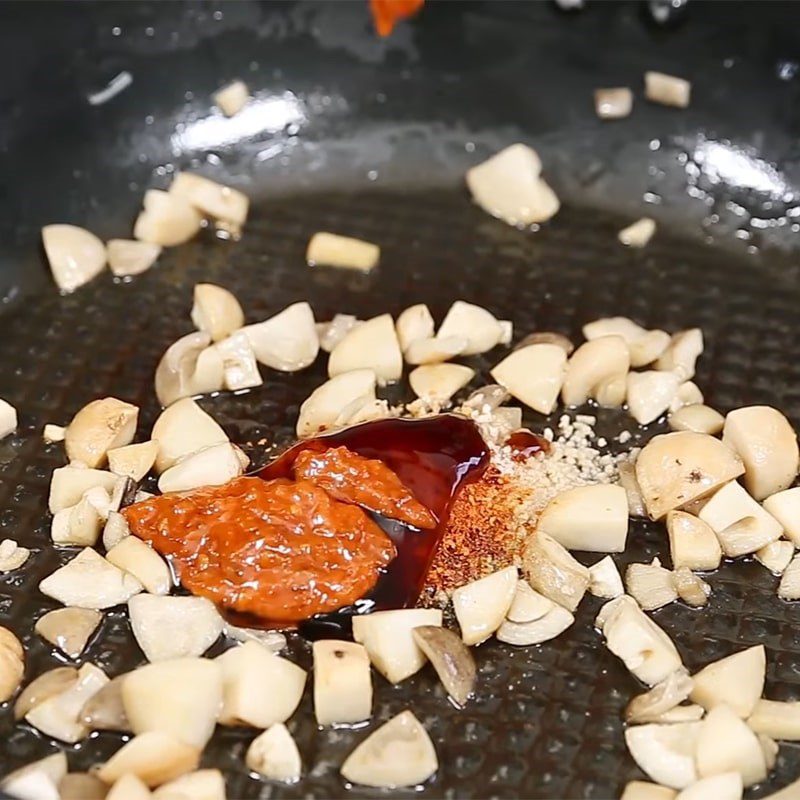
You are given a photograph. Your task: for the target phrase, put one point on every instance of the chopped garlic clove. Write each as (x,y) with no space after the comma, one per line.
(202,784)
(698,418)
(736,681)
(551,570)
(399,753)
(776,556)
(667,89)
(288,341)
(99,427)
(451,659)
(184,428)
(528,605)
(642,790)
(414,323)
(331,333)
(12,556)
(115,530)
(687,713)
(12,664)
(216,311)
(239,362)
(688,395)
(665,753)
(342,682)
(69,484)
(789,587)
(785,507)
(726,744)
(692,590)
(692,542)
(69,629)
(322,407)
(48,684)
(613,326)
(387,637)
(627,480)
(167,220)
(133,460)
(552,624)
(479,327)
(682,354)
(79,525)
(481,606)
(638,234)
(779,720)
(173,627)
(727,786)
(436,350)
(547,337)
(613,103)
(188,366)
(51,433)
(274,755)
(605,580)
(104,711)
(611,392)
(140,560)
(75,255)
(650,394)
(592,364)
(650,585)
(663,697)
(344,252)
(82,786)
(211,466)
(231,98)
(534,375)
(38,780)
(372,345)
(439,382)
(129,257)
(648,347)
(767,445)
(211,199)
(509,186)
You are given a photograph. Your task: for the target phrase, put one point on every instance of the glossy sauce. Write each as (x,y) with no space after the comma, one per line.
(524,444)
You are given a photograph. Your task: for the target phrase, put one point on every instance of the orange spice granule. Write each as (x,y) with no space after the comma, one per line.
(387,13)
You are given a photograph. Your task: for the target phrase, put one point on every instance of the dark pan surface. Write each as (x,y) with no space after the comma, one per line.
(547,720)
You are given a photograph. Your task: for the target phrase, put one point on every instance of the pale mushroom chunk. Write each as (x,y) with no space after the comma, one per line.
(82,786)
(173,627)
(591,365)
(725,743)
(231,98)
(666,753)
(675,468)
(372,345)
(789,588)
(692,542)
(547,627)
(166,219)
(613,103)
(698,418)
(332,250)
(682,354)
(75,255)
(211,466)
(627,480)
(331,333)
(133,461)
(767,445)
(188,367)
(128,257)
(8,419)
(648,347)
(727,786)
(240,370)
(202,784)
(115,529)
(414,323)
(629,330)
(437,383)
(534,375)
(387,637)
(140,560)
(323,406)
(212,199)
(451,659)
(12,556)
(43,687)
(736,681)
(663,697)
(551,570)
(481,606)
(181,697)
(605,580)
(342,682)
(274,755)
(90,581)
(642,790)
(97,428)
(216,311)
(785,507)
(38,780)
(69,629)
(650,585)
(399,753)
(650,394)
(479,327)
(104,710)
(776,556)
(435,350)
(129,787)
(79,525)
(184,428)
(667,90)
(639,233)
(689,394)
(779,720)
(694,591)
(12,664)
(287,342)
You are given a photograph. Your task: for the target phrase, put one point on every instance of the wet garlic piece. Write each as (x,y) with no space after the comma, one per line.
(479,327)
(167,220)
(698,418)
(323,406)
(212,199)
(12,556)
(69,629)
(181,429)
(638,234)
(667,89)
(414,323)
(12,663)
(666,753)
(128,257)
(332,250)
(613,103)
(342,682)
(216,311)
(605,580)
(75,255)
(551,570)
(534,375)
(650,585)
(593,363)
(736,681)
(481,606)
(725,743)
(372,345)
(274,755)
(231,98)
(99,427)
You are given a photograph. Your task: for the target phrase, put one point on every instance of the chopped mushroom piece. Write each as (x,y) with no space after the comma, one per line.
(274,755)
(69,629)
(90,581)
(536,631)
(212,199)
(688,395)
(12,556)
(650,394)
(173,627)
(8,419)
(104,711)
(682,354)
(79,525)
(613,326)
(551,570)
(115,530)
(593,518)
(663,697)
(692,542)
(128,257)
(767,444)
(725,743)
(776,556)
(323,406)
(666,753)
(451,659)
(167,219)
(667,89)
(627,480)
(592,364)
(342,682)
(414,323)
(534,375)
(727,786)
(479,327)
(399,753)
(435,350)
(188,367)
(642,790)
(779,720)
(75,255)
(789,587)
(481,606)
(692,590)
(698,418)
(51,433)
(613,103)
(638,234)
(97,428)
(648,347)
(274,641)
(437,383)
(203,784)
(216,311)
(184,428)
(388,638)
(48,684)
(211,466)
(528,605)
(133,460)
(785,507)
(129,787)
(38,780)
(332,250)
(371,345)
(331,333)
(547,337)
(140,560)
(509,186)
(736,681)
(605,580)
(239,362)
(181,697)
(231,98)
(12,663)
(288,341)
(650,585)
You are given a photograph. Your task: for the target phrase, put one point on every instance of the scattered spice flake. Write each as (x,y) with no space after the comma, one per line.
(387,13)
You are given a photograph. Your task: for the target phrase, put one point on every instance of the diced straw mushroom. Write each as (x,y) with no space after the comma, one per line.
(682,354)
(725,743)
(399,753)
(372,345)
(605,580)
(528,605)
(692,542)
(90,581)
(38,780)
(642,790)
(546,337)
(435,350)
(663,697)
(675,468)
(173,627)
(667,89)
(479,327)
(698,418)
(140,560)
(551,570)
(184,428)
(643,646)
(239,362)
(231,98)
(509,186)
(129,787)
(188,367)
(767,444)
(260,688)
(181,697)
(650,394)
(648,347)
(79,525)
(97,428)
(776,556)
(592,518)
(202,784)
(785,507)
(736,681)
(82,786)
(12,664)
(48,684)
(592,364)
(331,250)
(437,383)
(115,530)
(154,757)
(650,585)
(51,433)
(727,786)
(105,711)
(274,755)
(388,638)
(554,622)
(128,257)
(692,590)
(342,682)
(69,629)
(534,375)
(414,323)
(75,255)
(212,199)
(133,460)
(12,556)
(288,341)
(665,753)
(789,587)
(166,219)
(216,311)
(331,333)
(613,103)
(323,406)
(627,480)
(481,606)
(451,659)
(638,234)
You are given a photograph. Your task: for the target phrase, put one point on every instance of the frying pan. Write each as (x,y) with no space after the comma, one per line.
(371,138)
